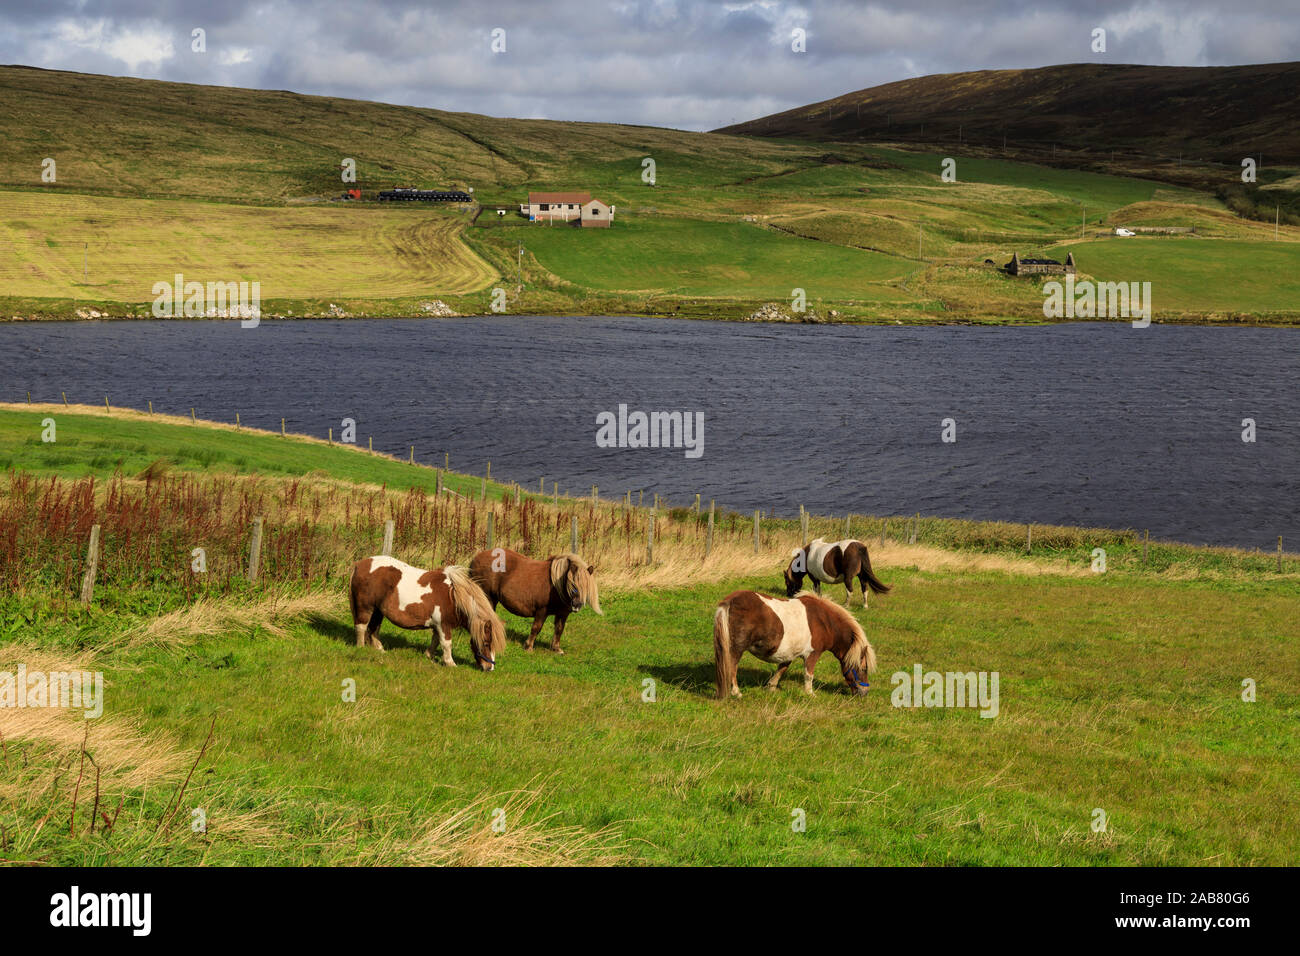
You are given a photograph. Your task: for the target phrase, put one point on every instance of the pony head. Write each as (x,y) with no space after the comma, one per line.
(575,581)
(794,572)
(487,635)
(857,656)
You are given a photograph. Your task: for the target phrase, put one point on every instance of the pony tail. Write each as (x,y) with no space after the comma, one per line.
(877,586)
(722,650)
(484,627)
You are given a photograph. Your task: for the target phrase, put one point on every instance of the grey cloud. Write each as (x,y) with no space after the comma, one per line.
(693,64)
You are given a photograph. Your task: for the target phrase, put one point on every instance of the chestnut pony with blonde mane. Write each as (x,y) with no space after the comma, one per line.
(779,630)
(558,585)
(441,600)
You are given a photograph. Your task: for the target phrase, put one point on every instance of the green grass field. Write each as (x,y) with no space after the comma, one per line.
(1120,692)
(1189,273)
(696,257)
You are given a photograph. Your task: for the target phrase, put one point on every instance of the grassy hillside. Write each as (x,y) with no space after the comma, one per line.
(225,184)
(1113,694)
(1203,112)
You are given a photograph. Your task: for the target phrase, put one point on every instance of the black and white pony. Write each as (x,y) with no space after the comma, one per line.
(833,563)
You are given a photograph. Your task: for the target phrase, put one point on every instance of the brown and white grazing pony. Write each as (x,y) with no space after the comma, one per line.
(833,563)
(441,600)
(559,585)
(778,630)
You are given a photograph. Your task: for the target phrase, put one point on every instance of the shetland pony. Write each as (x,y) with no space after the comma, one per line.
(834,563)
(442,600)
(778,630)
(559,585)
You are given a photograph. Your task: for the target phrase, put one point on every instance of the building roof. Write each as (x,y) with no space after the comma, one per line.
(1039,262)
(576,198)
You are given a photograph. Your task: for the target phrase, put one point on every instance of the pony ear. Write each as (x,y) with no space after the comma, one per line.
(591,569)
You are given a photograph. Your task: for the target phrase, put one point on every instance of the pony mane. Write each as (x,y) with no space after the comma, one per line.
(588,593)
(485,628)
(860,652)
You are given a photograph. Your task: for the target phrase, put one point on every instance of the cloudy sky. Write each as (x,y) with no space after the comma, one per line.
(692,64)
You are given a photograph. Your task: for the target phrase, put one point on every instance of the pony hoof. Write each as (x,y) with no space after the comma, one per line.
(558,651)
(772,687)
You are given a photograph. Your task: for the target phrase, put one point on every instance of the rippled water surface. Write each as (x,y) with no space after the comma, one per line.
(1085,424)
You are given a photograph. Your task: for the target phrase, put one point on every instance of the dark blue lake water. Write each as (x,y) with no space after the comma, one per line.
(1089,424)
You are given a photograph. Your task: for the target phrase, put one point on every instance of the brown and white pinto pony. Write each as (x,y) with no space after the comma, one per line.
(778,630)
(833,563)
(441,600)
(559,585)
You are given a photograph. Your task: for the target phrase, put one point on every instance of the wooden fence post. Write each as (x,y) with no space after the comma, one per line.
(708,538)
(412,454)
(1279,554)
(884,524)
(331,436)
(438,485)
(518,493)
(388,538)
(1029,539)
(541,485)
(573,534)
(803,525)
(555,489)
(650,538)
(848,520)
(282,435)
(482,489)
(487,476)
(756,520)
(92,566)
(697,506)
(490,530)
(255,550)
(594,494)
